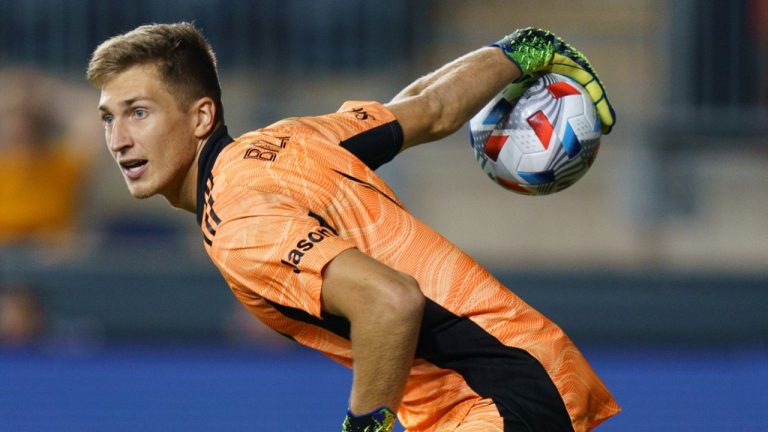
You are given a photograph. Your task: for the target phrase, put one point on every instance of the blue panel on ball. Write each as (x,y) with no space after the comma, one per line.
(501,108)
(571,144)
(537,178)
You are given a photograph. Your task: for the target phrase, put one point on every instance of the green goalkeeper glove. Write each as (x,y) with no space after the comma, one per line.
(539,51)
(379,420)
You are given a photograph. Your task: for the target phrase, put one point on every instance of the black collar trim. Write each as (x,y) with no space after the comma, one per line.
(216,142)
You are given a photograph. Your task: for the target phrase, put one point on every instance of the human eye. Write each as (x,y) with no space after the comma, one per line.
(107,119)
(140,113)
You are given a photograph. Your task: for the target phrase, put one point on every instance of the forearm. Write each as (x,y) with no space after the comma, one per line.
(439,103)
(384,308)
(382,351)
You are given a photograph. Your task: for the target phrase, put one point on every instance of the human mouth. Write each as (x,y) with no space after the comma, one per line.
(134,168)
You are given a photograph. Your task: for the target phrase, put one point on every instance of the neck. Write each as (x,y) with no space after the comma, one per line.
(187,196)
(188,193)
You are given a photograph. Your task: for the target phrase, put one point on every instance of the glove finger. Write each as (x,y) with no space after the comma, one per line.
(577,74)
(568,67)
(595,91)
(607,116)
(591,82)
(560,58)
(602,105)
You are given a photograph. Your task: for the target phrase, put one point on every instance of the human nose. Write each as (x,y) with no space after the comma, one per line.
(118,137)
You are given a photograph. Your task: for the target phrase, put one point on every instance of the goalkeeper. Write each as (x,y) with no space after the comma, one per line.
(320,249)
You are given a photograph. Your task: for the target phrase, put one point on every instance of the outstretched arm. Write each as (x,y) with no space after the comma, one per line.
(439,103)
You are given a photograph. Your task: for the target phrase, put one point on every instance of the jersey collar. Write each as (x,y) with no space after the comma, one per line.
(216,142)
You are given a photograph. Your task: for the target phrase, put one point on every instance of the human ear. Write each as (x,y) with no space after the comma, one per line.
(204,116)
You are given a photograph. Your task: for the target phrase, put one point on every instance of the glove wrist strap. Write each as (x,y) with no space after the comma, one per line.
(381,419)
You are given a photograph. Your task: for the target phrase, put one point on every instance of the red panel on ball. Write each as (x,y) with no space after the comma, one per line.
(562,88)
(542,127)
(493,146)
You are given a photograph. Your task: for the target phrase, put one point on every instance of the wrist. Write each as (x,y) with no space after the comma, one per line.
(379,420)
(511,71)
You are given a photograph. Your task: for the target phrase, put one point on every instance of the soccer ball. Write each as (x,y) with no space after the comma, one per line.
(540,142)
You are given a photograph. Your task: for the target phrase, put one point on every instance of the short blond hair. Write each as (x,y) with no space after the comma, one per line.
(184,58)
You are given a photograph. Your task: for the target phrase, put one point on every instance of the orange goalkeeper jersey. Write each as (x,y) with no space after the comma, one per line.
(278,204)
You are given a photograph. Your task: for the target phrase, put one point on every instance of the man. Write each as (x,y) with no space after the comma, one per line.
(320,249)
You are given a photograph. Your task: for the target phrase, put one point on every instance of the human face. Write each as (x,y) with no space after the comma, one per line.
(152,140)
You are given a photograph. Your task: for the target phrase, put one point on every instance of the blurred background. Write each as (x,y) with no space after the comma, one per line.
(656,263)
